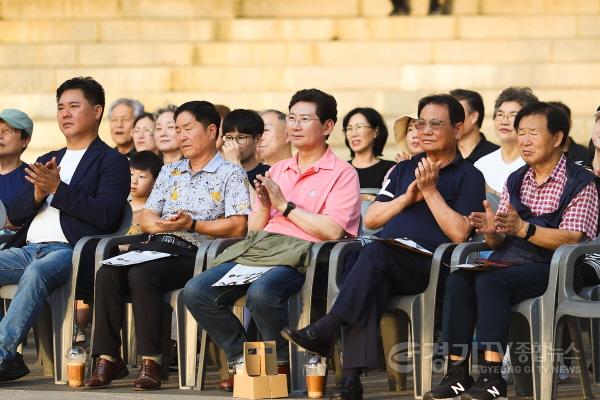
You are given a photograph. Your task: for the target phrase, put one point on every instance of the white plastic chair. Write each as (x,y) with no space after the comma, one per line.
(299,308)
(419,308)
(186,325)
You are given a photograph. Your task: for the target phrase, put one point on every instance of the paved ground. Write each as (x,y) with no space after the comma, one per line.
(37,387)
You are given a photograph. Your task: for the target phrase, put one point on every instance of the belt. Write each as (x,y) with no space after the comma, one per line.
(175,241)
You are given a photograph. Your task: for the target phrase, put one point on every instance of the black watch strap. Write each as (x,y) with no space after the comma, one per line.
(193,227)
(289,208)
(530,231)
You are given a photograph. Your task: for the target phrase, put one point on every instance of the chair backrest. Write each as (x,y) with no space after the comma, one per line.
(364,205)
(2,215)
(126,221)
(493,199)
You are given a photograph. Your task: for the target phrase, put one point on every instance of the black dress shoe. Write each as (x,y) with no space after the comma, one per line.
(11,370)
(348,389)
(308,338)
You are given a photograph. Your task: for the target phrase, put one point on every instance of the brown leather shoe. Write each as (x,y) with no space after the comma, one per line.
(226,384)
(149,377)
(105,372)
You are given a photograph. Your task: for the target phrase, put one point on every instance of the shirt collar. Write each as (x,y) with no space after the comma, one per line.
(558,174)
(327,161)
(212,165)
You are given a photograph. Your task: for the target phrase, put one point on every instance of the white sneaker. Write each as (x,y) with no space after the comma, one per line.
(507,369)
(79,335)
(564,373)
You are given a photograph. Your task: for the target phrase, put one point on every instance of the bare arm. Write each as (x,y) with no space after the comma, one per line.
(551,238)
(261,210)
(381,212)
(318,225)
(453,224)
(148,219)
(510,223)
(232,226)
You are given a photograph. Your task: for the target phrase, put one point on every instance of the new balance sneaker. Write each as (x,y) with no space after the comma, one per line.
(487,387)
(455,383)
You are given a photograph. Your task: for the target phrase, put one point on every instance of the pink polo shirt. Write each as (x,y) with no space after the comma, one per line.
(330,187)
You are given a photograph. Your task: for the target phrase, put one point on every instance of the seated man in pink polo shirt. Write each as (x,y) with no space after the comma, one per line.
(312,197)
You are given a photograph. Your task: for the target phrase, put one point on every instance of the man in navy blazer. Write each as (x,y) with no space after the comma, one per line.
(77,191)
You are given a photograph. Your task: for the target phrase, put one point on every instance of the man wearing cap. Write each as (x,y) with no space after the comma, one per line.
(77,191)
(595,143)
(15,134)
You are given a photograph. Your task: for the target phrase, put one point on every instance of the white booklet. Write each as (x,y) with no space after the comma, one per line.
(134,257)
(402,242)
(241,274)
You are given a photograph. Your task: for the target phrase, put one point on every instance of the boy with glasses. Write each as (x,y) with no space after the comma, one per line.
(242,130)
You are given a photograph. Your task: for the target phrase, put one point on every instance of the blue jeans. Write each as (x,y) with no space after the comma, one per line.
(266,298)
(38,269)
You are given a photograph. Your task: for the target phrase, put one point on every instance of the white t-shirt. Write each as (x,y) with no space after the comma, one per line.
(495,170)
(45,227)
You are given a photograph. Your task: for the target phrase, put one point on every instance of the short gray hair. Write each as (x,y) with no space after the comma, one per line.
(135,105)
(279,114)
(166,108)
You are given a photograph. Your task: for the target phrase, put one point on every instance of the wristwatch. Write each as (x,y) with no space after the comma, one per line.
(530,231)
(289,208)
(193,227)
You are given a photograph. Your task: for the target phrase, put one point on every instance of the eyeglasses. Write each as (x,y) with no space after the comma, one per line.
(356,128)
(434,124)
(241,139)
(303,119)
(500,116)
(148,131)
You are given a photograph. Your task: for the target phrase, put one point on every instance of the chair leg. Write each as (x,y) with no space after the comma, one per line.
(575,333)
(200,379)
(167,314)
(394,331)
(43,333)
(128,339)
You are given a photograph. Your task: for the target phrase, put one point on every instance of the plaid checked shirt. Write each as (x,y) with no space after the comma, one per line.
(581,214)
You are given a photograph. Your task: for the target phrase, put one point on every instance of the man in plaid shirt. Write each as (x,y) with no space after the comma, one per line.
(544,204)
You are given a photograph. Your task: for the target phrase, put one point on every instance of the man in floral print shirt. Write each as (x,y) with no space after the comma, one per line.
(197,198)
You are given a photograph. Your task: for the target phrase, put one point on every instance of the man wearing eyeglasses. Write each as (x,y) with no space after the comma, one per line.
(242,130)
(311,197)
(426,199)
(499,164)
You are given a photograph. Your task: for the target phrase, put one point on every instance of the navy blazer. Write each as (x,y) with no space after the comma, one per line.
(92,204)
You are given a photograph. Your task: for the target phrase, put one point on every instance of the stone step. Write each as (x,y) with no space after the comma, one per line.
(196,30)
(391,103)
(366,53)
(99,9)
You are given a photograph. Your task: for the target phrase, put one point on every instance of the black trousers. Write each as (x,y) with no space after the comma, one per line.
(380,272)
(483,301)
(146,283)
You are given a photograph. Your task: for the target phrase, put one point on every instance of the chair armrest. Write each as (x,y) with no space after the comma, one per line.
(462,251)
(110,242)
(565,257)
(217,246)
(336,258)
(441,252)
